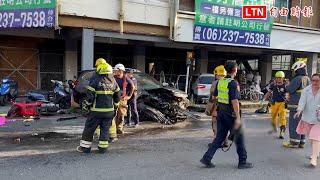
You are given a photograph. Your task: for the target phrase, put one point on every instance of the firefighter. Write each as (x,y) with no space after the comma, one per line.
(228,118)
(100,61)
(103,96)
(278,105)
(126,90)
(297,84)
(219,72)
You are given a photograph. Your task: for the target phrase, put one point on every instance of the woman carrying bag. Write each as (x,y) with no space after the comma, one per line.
(309,108)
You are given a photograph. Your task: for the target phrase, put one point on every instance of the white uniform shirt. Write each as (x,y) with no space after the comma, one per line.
(308,104)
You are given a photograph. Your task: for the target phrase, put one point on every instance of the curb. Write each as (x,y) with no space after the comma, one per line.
(202,107)
(154,127)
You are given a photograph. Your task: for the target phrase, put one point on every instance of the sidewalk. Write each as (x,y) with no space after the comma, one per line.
(244,105)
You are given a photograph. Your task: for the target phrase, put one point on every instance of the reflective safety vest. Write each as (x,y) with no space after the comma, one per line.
(105,93)
(223,90)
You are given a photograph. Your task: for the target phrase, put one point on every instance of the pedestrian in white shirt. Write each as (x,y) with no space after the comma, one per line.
(309,124)
(250,78)
(257,78)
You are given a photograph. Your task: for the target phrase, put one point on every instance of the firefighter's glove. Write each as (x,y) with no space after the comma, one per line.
(116,105)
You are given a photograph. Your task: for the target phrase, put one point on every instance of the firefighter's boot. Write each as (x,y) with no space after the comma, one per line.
(282,132)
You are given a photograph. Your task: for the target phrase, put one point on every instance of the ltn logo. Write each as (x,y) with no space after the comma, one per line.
(254,12)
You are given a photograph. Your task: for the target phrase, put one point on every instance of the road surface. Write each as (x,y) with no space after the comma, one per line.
(160,154)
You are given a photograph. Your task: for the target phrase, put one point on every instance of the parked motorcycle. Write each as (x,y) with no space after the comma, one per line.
(38,95)
(8,91)
(78,97)
(61,94)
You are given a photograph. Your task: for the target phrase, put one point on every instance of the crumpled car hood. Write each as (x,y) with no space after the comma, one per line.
(164,105)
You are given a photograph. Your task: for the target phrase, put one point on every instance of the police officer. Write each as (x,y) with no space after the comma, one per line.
(297,84)
(228,118)
(219,72)
(102,96)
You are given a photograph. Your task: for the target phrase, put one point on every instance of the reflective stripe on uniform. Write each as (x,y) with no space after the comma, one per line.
(117,90)
(223,90)
(103,144)
(104,92)
(292,106)
(295,140)
(85,144)
(299,91)
(113,129)
(116,104)
(90,88)
(102,109)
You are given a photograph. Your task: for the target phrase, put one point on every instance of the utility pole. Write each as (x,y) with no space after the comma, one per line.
(190,62)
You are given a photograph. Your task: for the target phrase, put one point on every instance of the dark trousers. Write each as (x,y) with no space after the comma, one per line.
(225,123)
(293,123)
(133,115)
(91,125)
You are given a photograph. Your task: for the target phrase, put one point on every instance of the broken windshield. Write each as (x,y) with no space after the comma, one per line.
(146,82)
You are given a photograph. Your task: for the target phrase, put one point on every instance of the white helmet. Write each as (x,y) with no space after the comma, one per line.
(297,65)
(120,67)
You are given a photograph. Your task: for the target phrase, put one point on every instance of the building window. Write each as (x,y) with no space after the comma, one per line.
(241,67)
(254,64)
(281,62)
(187,5)
(280,4)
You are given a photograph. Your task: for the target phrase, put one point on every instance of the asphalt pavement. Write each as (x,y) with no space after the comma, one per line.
(158,154)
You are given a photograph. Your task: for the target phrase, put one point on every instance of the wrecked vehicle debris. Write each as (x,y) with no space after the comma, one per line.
(164,105)
(155,103)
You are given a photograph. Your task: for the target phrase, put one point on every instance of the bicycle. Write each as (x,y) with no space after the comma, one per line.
(250,94)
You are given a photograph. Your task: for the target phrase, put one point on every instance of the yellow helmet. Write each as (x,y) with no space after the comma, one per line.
(104,69)
(220,71)
(280,74)
(100,61)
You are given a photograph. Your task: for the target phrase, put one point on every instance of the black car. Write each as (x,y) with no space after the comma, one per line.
(163,104)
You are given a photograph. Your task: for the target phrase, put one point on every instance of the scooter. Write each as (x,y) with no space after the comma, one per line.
(78,97)
(61,94)
(8,91)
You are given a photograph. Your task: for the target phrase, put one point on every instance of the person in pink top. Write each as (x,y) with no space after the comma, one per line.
(309,106)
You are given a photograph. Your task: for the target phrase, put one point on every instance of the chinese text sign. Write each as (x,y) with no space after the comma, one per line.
(222,21)
(27,13)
